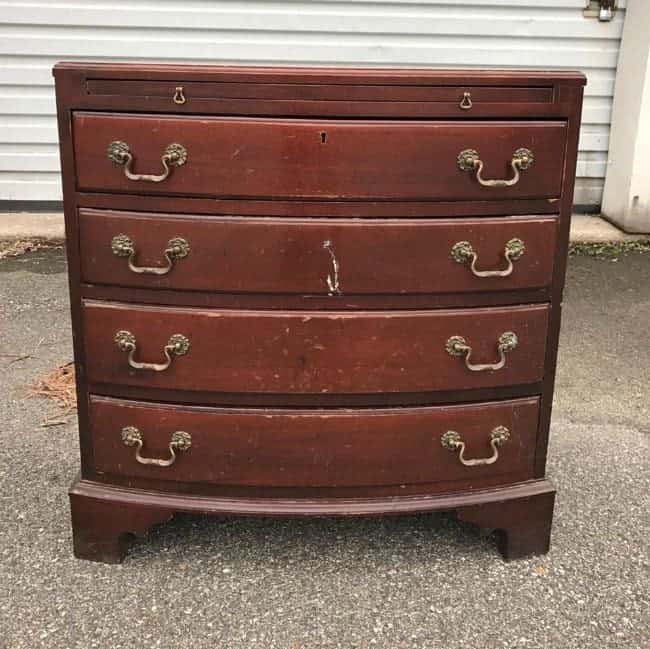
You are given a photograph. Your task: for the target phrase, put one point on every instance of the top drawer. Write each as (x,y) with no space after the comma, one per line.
(318,159)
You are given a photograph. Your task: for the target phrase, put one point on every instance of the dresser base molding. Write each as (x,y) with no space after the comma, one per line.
(105,518)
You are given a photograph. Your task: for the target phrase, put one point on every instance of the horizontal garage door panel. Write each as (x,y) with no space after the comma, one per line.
(443,33)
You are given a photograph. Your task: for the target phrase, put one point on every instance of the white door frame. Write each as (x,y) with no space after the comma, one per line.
(626,196)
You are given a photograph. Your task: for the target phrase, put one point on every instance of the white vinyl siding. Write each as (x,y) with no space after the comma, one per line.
(443,33)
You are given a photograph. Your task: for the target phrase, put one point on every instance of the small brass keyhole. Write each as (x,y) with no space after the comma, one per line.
(323,137)
(179,95)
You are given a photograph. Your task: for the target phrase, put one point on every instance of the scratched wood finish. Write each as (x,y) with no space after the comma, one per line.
(380,174)
(312,448)
(312,159)
(322,352)
(315,256)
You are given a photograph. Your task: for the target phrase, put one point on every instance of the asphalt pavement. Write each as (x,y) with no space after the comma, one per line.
(412,582)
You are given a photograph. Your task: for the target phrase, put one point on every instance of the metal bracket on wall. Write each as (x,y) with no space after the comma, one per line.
(601,9)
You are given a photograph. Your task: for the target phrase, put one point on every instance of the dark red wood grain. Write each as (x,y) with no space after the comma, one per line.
(318,159)
(479,95)
(314,352)
(317,209)
(352,76)
(309,302)
(258,91)
(270,255)
(312,448)
(105,516)
(391,142)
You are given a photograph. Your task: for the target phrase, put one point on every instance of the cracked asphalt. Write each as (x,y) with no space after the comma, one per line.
(418,581)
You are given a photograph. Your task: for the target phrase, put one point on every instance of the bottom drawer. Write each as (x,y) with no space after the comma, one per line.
(315,448)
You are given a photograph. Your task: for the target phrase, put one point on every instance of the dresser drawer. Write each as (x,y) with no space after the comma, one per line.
(315,256)
(298,352)
(317,159)
(314,448)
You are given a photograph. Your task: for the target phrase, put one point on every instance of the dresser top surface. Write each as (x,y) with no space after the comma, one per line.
(317,74)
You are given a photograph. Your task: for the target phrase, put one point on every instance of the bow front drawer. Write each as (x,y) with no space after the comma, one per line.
(318,159)
(312,448)
(316,256)
(302,352)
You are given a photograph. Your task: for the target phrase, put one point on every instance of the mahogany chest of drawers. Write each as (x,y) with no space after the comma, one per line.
(314,292)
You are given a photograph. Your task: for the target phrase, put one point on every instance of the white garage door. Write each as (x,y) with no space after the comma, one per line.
(449,33)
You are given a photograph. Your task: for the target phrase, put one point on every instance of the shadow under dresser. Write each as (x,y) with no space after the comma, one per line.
(314,291)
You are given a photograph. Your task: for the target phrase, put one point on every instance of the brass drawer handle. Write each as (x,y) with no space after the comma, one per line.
(177,345)
(180,441)
(123,246)
(466,101)
(462,252)
(453,441)
(469,160)
(457,346)
(175,155)
(179,95)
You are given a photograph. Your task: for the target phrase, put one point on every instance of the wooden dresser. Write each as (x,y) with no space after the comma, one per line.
(314,292)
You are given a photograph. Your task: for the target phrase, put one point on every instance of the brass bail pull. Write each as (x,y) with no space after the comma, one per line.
(463,253)
(457,346)
(174,155)
(177,345)
(123,246)
(453,441)
(470,160)
(180,441)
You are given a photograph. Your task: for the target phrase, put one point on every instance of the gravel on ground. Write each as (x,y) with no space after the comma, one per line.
(413,582)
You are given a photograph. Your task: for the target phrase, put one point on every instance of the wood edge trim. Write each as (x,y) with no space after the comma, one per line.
(324,313)
(355,74)
(560,263)
(307,506)
(351,411)
(378,221)
(301,402)
(332,209)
